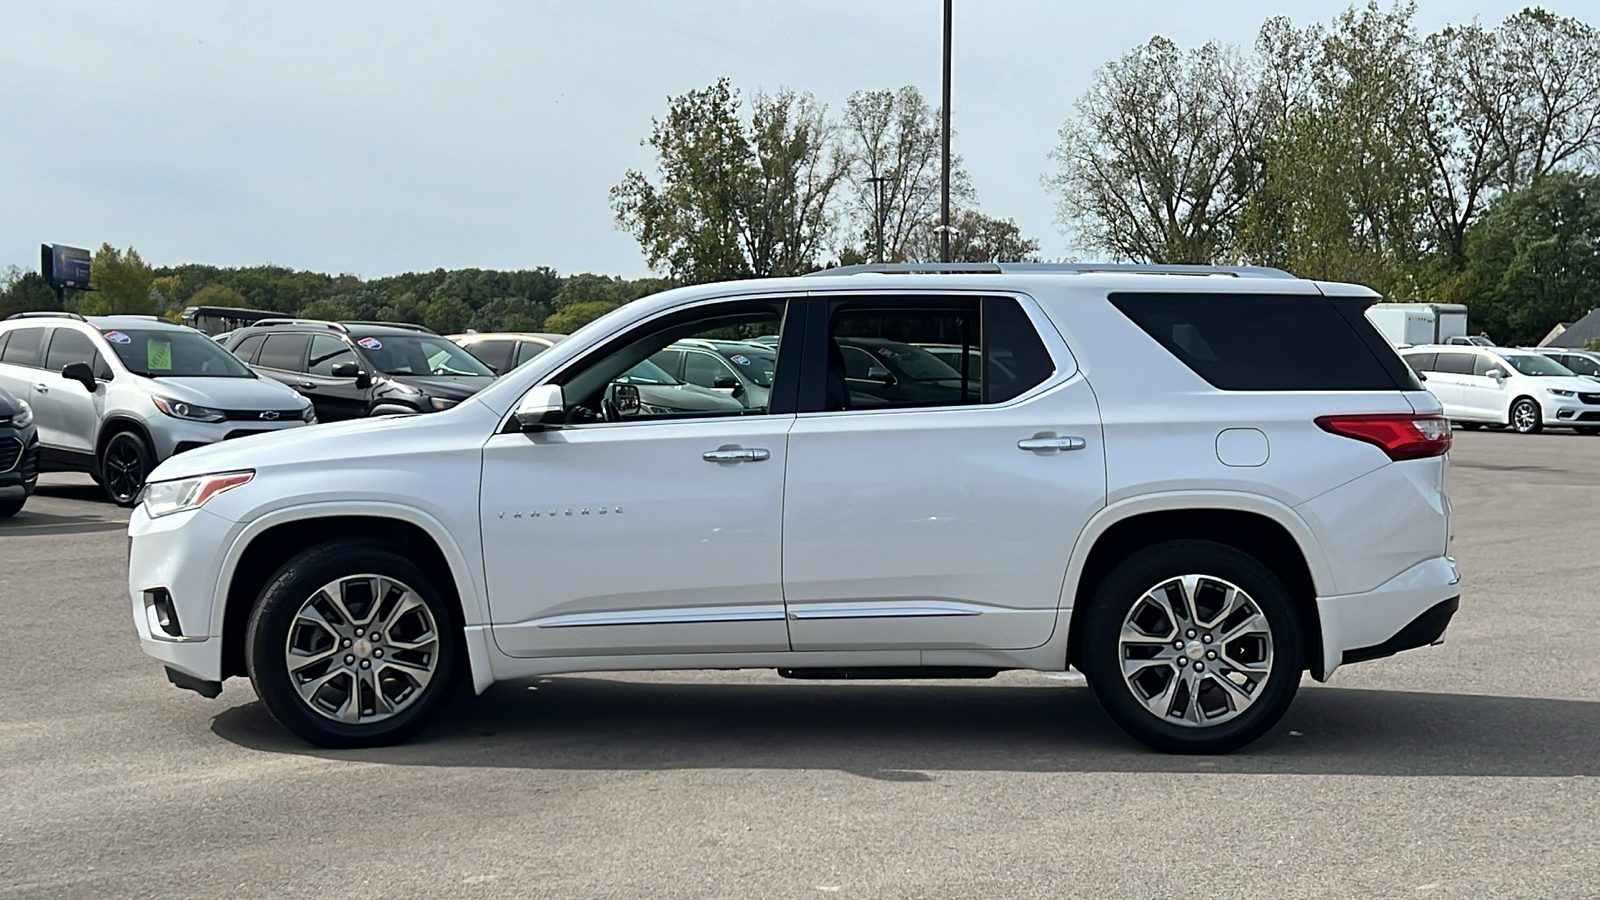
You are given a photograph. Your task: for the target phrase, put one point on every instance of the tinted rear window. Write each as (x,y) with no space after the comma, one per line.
(1264,342)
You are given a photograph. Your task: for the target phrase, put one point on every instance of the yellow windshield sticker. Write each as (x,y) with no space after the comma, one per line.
(158,354)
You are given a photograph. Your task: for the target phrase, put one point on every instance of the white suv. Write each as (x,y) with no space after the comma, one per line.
(1157,488)
(1526,390)
(114,395)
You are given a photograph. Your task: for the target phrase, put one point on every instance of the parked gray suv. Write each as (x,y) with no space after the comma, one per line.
(115,395)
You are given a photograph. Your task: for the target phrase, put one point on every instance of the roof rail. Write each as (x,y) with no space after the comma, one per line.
(406,325)
(271,322)
(46,314)
(1053,269)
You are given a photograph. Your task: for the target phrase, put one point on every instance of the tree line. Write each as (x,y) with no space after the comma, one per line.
(1459,166)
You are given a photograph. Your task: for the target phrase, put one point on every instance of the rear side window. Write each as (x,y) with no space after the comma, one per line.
(1265,342)
(1454,363)
(24,347)
(1421,362)
(284,351)
(1014,358)
(529,349)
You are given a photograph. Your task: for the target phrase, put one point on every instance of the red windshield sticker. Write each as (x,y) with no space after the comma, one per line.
(117,337)
(371,343)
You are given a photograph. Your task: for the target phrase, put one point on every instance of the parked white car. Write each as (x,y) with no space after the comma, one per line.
(1500,386)
(1157,488)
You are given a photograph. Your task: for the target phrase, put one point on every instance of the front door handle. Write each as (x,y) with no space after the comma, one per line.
(41,387)
(1050,443)
(735,455)
(306,386)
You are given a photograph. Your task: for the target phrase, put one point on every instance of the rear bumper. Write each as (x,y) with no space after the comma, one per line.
(1409,610)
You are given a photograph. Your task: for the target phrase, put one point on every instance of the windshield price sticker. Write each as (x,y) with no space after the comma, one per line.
(371,343)
(740,359)
(117,337)
(886,353)
(159,355)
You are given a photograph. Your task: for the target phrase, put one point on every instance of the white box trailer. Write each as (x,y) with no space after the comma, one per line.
(1409,324)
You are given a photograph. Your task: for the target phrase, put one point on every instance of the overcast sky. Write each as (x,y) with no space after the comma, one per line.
(397,136)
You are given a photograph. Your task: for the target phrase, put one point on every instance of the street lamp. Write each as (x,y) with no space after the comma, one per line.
(944,174)
(877,182)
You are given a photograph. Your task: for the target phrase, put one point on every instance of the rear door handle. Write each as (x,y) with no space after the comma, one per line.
(41,387)
(735,454)
(306,386)
(1049,442)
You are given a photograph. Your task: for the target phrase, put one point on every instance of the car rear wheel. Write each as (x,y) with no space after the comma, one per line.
(352,645)
(1526,417)
(125,461)
(1193,647)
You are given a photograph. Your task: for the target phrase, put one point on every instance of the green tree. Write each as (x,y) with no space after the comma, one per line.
(448,316)
(1533,259)
(737,198)
(578,315)
(25,292)
(978,238)
(891,145)
(217,295)
(121,283)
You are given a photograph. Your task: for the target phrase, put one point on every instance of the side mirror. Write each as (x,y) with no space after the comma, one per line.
(352,370)
(82,374)
(541,406)
(879,373)
(725,381)
(622,401)
(1497,375)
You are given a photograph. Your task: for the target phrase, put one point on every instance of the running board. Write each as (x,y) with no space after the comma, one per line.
(888,673)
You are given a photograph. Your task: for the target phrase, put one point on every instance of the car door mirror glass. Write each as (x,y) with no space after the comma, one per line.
(1497,374)
(881,374)
(81,373)
(542,406)
(622,402)
(345,370)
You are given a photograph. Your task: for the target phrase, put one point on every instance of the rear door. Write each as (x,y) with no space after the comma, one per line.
(935,515)
(21,373)
(283,358)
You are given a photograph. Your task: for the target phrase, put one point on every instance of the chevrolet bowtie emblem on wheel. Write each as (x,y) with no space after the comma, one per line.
(270,414)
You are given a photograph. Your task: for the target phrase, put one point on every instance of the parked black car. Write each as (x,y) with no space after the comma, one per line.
(355,369)
(19,454)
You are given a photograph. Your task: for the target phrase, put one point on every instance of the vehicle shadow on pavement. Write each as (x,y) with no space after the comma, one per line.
(899,732)
(28,523)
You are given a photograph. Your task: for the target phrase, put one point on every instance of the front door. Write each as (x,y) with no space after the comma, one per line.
(73,411)
(636,529)
(1483,396)
(930,505)
(334,398)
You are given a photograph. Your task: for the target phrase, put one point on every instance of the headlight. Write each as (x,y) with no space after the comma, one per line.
(24,417)
(439,403)
(179,409)
(1555,393)
(163,498)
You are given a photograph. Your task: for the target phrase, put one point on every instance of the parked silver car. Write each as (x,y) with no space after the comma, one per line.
(115,395)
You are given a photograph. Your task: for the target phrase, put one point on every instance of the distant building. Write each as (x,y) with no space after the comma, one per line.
(1574,335)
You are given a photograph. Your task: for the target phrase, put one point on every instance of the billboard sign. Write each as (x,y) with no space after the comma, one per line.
(65,267)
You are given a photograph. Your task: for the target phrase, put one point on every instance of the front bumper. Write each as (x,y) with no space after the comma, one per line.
(1391,617)
(19,463)
(182,554)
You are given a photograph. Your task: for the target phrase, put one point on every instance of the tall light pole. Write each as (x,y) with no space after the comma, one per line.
(877,182)
(944,174)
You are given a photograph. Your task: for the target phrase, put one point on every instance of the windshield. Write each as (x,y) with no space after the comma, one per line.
(420,354)
(757,363)
(164,353)
(646,372)
(1533,364)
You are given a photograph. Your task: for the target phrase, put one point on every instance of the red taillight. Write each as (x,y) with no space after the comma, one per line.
(1400,436)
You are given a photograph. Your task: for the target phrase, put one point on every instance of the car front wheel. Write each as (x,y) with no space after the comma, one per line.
(352,645)
(1526,418)
(1193,647)
(125,462)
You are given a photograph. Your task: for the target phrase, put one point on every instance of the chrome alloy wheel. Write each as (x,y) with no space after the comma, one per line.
(1195,650)
(362,649)
(1525,416)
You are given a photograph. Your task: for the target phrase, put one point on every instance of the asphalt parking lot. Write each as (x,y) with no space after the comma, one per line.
(1466,770)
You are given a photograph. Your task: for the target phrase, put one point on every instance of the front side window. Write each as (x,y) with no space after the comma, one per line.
(621,382)
(420,354)
(246,350)
(327,351)
(1582,365)
(68,346)
(170,353)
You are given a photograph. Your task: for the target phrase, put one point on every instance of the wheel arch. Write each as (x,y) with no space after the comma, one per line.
(1268,531)
(1511,407)
(118,423)
(272,540)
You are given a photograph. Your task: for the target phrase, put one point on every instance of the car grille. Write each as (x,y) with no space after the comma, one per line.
(30,462)
(10,453)
(1590,398)
(263,415)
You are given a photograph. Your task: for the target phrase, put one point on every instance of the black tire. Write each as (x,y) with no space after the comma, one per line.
(1122,593)
(1526,417)
(268,635)
(9,508)
(1589,430)
(124,463)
